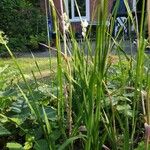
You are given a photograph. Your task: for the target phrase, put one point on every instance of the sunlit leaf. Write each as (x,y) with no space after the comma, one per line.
(14,146)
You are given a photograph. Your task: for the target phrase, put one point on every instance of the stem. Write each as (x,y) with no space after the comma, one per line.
(148,16)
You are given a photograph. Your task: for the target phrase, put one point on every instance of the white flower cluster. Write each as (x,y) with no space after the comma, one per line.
(3,38)
(84,25)
(66,22)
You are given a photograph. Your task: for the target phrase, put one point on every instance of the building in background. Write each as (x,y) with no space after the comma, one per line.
(87,9)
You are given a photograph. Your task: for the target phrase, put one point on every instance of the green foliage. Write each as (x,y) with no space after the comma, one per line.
(3,131)
(35,39)
(21,20)
(93,102)
(15,113)
(141,146)
(14,146)
(41,145)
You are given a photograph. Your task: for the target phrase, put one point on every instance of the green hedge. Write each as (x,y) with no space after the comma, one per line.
(23,23)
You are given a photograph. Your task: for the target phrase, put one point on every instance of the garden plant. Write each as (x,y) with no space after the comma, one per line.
(94,98)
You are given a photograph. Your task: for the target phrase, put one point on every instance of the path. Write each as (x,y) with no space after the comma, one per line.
(128,47)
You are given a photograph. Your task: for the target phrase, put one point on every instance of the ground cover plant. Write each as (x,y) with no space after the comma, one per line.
(90,100)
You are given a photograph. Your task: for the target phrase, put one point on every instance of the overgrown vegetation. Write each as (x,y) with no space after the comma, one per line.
(90,100)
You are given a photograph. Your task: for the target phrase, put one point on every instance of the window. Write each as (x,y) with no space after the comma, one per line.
(83,6)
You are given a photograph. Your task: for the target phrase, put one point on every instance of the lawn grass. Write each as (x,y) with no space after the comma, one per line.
(28,65)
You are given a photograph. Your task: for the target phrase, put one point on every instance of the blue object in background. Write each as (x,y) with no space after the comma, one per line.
(50,26)
(122,8)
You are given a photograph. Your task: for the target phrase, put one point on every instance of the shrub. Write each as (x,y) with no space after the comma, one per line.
(20,20)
